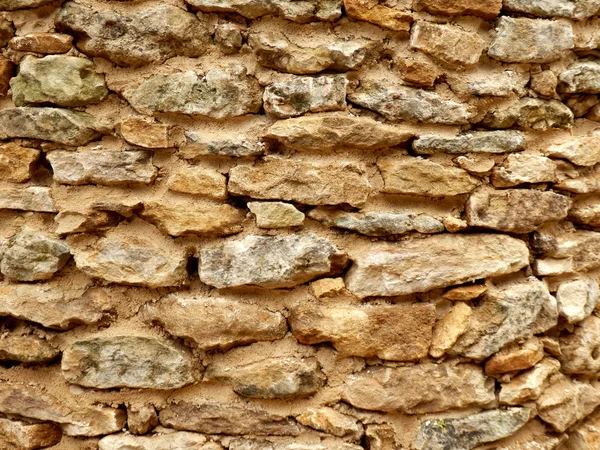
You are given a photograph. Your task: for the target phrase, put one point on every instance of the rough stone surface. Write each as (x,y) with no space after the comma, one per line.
(514,357)
(43,43)
(583,151)
(581,77)
(141,419)
(144,133)
(519,169)
(28,436)
(26,349)
(494,142)
(7,69)
(577,299)
(373,12)
(275,214)
(465,293)
(530,384)
(447,330)
(331,421)
(586,210)
(259,444)
(585,436)
(328,287)
(179,440)
(69,222)
(196,147)
(576,10)
(197,180)
(16,162)
(579,348)
(12,5)
(530,113)
(487,10)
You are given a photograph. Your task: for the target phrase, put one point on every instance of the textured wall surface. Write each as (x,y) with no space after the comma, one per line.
(299,224)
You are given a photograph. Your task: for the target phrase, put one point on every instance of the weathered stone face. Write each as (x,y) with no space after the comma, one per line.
(530,113)
(12,5)
(577,299)
(141,419)
(149,36)
(528,385)
(27,349)
(31,198)
(450,328)
(579,348)
(474,142)
(273,215)
(27,436)
(43,43)
(178,440)
(397,269)
(197,146)
(144,133)
(487,10)
(586,210)
(197,180)
(576,10)
(581,77)
(520,169)
(16,162)
(331,421)
(373,12)
(69,222)
(514,357)
(583,151)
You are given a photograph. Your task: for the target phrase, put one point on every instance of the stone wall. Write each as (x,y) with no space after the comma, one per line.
(299,225)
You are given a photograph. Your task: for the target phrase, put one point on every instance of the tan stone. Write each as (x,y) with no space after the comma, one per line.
(16,162)
(383,16)
(583,151)
(530,384)
(289,444)
(199,181)
(553,266)
(143,133)
(198,146)
(328,287)
(28,436)
(141,419)
(585,436)
(487,10)
(454,224)
(586,210)
(420,73)
(332,422)
(585,181)
(579,349)
(381,437)
(178,440)
(69,222)
(577,299)
(529,113)
(44,43)
(275,214)
(581,246)
(465,293)
(447,330)
(515,357)
(519,169)
(7,69)
(27,349)
(544,83)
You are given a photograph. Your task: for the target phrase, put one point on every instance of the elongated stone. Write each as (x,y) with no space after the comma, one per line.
(381,15)
(201,181)
(198,146)
(149,36)
(16,162)
(178,440)
(576,10)
(147,134)
(29,436)
(31,198)
(438,261)
(270,261)
(514,357)
(420,389)
(581,77)
(487,10)
(473,142)
(519,169)
(69,222)
(332,422)
(583,151)
(272,215)
(43,43)
(366,331)
(261,444)
(530,113)
(27,349)
(215,323)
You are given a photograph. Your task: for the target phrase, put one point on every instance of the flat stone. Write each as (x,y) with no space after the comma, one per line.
(575,10)
(581,77)
(577,299)
(301,181)
(17,163)
(62,126)
(197,146)
(498,84)
(420,389)
(144,133)
(259,444)
(587,181)
(515,357)
(504,210)
(219,94)
(141,419)
(476,164)
(530,113)
(26,349)
(223,418)
(201,181)
(411,104)
(104,167)
(530,384)
(301,95)
(178,440)
(586,210)
(377,223)
(585,436)
(485,142)
(29,436)
(448,329)
(61,80)
(123,205)
(270,261)
(7,69)
(381,15)
(466,433)
(151,35)
(331,422)
(410,175)
(334,131)
(438,261)
(69,222)
(284,377)
(579,348)
(508,312)
(367,331)
(420,73)
(583,151)
(327,287)
(272,215)
(519,169)
(465,293)
(42,43)
(275,51)
(127,361)
(524,40)
(214,323)
(12,5)
(486,10)
(449,44)
(299,11)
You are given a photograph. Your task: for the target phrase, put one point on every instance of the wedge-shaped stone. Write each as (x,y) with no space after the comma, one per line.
(43,43)
(30,198)
(530,113)
(515,357)
(330,421)
(420,389)
(381,15)
(466,433)
(141,419)
(272,215)
(27,349)
(275,51)
(62,126)
(449,328)
(220,93)
(298,11)
(531,40)
(301,181)
(472,142)
(215,323)
(16,162)
(570,9)
(438,261)
(127,361)
(270,261)
(487,10)
(224,418)
(149,36)
(177,440)
(515,210)
(69,222)
(588,181)
(285,377)
(579,348)
(583,151)
(506,313)
(333,131)
(529,385)
(398,332)
(61,80)
(581,77)
(406,103)
(410,175)
(577,299)
(28,436)
(105,167)
(519,169)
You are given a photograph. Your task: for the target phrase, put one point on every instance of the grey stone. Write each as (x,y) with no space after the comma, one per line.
(570,9)
(197,146)
(30,198)
(501,84)
(177,440)
(518,169)
(530,113)
(581,77)
(486,142)
(579,349)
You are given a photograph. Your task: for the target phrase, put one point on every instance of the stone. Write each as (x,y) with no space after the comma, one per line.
(530,113)
(17,163)
(418,176)
(275,51)
(410,104)
(521,40)
(381,437)
(223,418)
(583,151)
(229,38)
(448,329)
(470,431)
(201,181)
(281,377)
(435,262)
(259,444)
(508,312)
(125,206)
(214,323)
(545,83)
(582,77)
(476,164)
(272,215)
(141,419)
(335,131)
(219,93)
(62,126)
(331,422)
(485,142)
(300,95)
(381,15)
(448,44)
(42,43)
(577,299)
(321,183)
(69,222)
(7,30)
(28,436)
(579,352)
(530,384)
(136,256)
(519,169)
(143,133)
(104,167)
(178,440)
(420,389)
(585,436)
(7,69)
(299,11)
(377,223)
(587,181)
(575,10)
(328,287)
(586,210)
(151,35)
(197,146)
(270,261)
(566,401)
(12,5)
(581,247)
(486,10)
(393,332)
(465,293)
(515,357)
(26,349)
(454,224)
(61,80)
(497,84)
(421,73)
